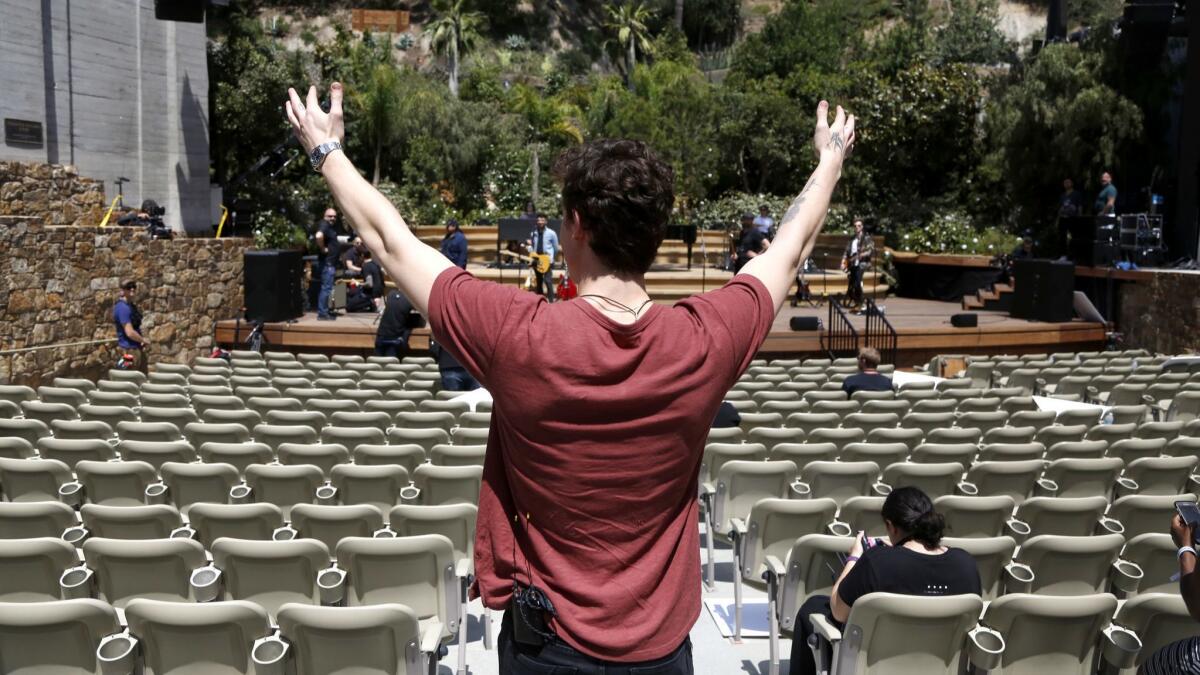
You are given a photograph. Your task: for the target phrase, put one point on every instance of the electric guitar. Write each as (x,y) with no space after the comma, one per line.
(539,261)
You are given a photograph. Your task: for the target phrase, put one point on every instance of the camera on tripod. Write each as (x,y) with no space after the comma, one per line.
(149,216)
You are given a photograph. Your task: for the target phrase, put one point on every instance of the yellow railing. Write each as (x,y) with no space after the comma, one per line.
(224,217)
(108,215)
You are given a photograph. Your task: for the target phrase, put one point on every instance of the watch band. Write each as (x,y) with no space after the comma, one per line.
(1184,549)
(319,153)
(851,558)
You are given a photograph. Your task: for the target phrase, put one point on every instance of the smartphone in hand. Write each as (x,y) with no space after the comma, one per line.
(1189,512)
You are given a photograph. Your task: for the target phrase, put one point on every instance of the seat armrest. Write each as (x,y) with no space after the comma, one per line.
(707,488)
(462,568)
(431,637)
(738,526)
(775,567)
(825,628)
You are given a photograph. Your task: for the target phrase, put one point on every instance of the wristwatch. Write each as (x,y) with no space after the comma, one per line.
(1185,549)
(319,153)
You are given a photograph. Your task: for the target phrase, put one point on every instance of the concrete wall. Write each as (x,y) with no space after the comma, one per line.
(119,94)
(58,285)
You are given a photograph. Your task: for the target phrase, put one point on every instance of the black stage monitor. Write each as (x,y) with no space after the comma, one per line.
(273,285)
(1044,290)
(965,320)
(802,323)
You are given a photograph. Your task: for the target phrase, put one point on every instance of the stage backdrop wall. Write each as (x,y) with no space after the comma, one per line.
(58,285)
(1161,313)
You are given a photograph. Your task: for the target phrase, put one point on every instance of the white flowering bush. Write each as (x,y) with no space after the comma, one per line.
(953,232)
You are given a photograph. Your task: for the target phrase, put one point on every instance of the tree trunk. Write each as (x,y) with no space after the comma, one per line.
(535,170)
(679,15)
(630,60)
(378,152)
(454,66)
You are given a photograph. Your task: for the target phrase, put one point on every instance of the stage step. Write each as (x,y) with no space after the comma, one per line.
(996,299)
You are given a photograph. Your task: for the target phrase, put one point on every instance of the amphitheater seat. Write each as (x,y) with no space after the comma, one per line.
(1076,450)
(881,642)
(882,454)
(1157,476)
(28,429)
(196,638)
(16,393)
(1081,477)
(409,456)
(54,637)
(1167,430)
(861,514)
(1158,619)
(157,453)
(72,451)
(275,435)
(329,524)
(934,480)
(909,437)
(1013,479)
(149,432)
(313,419)
(236,521)
(991,554)
(458,455)
(332,639)
(378,486)
(156,569)
(174,398)
(30,569)
(806,570)
(246,418)
(284,486)
(1145,514)
(115,483)
(82,430)
(970,517)
(837,480)
(1064,516)
(35,519)
(65,395)
(324,456)
(1131,449)
(32,480)
(1070,565)
(1155,553)
(448,484)
(1046,634)
(16,448)
(426,438)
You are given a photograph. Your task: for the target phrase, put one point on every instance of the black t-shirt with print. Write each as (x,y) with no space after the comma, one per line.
(890,569)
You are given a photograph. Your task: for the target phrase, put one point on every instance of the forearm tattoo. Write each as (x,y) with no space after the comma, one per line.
(837,142)
(794,209)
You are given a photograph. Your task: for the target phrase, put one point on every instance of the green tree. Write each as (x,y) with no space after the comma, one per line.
(764,135)
(628,22)
(971,35)
(376,104)
(455,31)
(547,120)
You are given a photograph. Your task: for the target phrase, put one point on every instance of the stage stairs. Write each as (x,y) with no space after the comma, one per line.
(996,299)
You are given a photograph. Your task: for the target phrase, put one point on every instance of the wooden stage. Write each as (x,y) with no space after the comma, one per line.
(923,328)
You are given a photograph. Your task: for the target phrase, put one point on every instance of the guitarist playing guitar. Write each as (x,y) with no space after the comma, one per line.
(859,251)
(543,246)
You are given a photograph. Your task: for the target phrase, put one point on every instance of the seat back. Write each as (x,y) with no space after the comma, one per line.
(740,484)
(271,573)
(54,637)
(1084,477)
(864,514)
(152,521)
(30,568)
(189,484)
(969,517)
(991,554)
(882,454)
(330,524)
(378,486)
(813,564)
(419,569)
(32,480)
(934,480)
(1045,634)
(448,484)
(205,637)
(1065,516)
(881,638)
(455,522)
(157,453)
(156,569)
(1070,565)
(382,638)
(1144,514)
(34,519)
(236,521)
(1155,553)
(115,483)
(72,451)
(1011,479)
(237,455)
(840,480)
(774,524)
(1158,619)
(284,486)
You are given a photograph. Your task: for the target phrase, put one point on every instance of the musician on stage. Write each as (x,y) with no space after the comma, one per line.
(1106,201)
(544,241)
(857,260)
(751,242)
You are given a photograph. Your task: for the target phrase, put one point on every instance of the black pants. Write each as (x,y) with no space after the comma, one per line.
(557,658)
(855,284)
(545,284)
(802,658)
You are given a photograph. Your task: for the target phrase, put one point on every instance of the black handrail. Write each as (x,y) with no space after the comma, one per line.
(841,337)
(880,333)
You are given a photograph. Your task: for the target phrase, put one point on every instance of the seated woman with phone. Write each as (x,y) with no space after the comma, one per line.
(1182,656)
(912,561)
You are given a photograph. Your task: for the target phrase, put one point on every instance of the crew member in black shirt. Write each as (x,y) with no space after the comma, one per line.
(911,562)
(868,377)
(751,242)
(372,275)
(327,256)
(396,325)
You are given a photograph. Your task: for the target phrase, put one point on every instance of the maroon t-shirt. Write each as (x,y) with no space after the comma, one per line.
(589,483)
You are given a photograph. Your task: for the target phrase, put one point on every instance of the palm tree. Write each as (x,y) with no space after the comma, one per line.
(377,103)
(546,119)
(628,21)
(455,31)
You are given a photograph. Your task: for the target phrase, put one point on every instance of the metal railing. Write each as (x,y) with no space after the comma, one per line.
(880,333)
(841,337)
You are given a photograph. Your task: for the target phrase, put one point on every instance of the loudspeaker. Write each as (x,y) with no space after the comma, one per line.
(799,323)
(1104,254)
(1044,290)
(190,11)
(966,320)
(273,285)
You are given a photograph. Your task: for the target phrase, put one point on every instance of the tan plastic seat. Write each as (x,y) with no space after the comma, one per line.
(352,437)
(284,486)
(1143,514)
(30,569)
(1065,516)
(1131,449)
(456,522)
(934,480)
(723,435)
(954,435)
(157,453)
(1008,434)
(1167,430)
(1070,565)
(1038,419)
(448,484)
(113,385)
(881,639)
(802,453)
(83,430)
(1076,450)
(408,456)
(861,514)
(1156,554)
(378,486)
(54,638)
(330,524)
(928,422)
(149,432)
(717,454)
(882,454)
(909,437)
(972,517)
(199,433)
(35,519)
(1157,476)
(32,480)
(237,455)
(48,412)
(270,573)
(246,418)
(152,521)
(368,420)
(1111,433)
(198,638)
(16,448)
(1081,477)
(810,422)
(1004,452)
(189,484)
(331,639)
(458,455)
(16,393)
(871,421)
(933,453)
(1047,634)
(324,456)
(1158,619)
(179,417)
(72,451)
(302,390)
(156,569)
(79,383)
(467,436)
(1014,479)
(838,480)
(426,438)
(115,483)
(275,435)
(236,521)
(29,429)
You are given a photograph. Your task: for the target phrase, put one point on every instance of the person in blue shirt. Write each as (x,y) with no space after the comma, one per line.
(128,321)
(544,240)
(1106,201)
(454,244)
(763,221)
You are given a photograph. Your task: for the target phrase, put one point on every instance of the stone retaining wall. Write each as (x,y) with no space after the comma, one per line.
(58,285)
(55,194)
(1162,313)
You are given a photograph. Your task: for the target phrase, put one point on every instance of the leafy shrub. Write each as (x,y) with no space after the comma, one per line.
(405,42)
(952,232)
(516,42)
(273,229)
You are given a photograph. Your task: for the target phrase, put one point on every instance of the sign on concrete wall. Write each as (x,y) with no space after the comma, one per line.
(22,132)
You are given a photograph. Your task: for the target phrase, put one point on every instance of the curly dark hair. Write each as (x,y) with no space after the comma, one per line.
(622,194)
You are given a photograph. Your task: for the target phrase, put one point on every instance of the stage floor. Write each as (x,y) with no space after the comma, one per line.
(922,326)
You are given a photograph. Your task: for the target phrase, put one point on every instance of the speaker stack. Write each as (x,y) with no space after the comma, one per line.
(1044,291)
(273,285)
